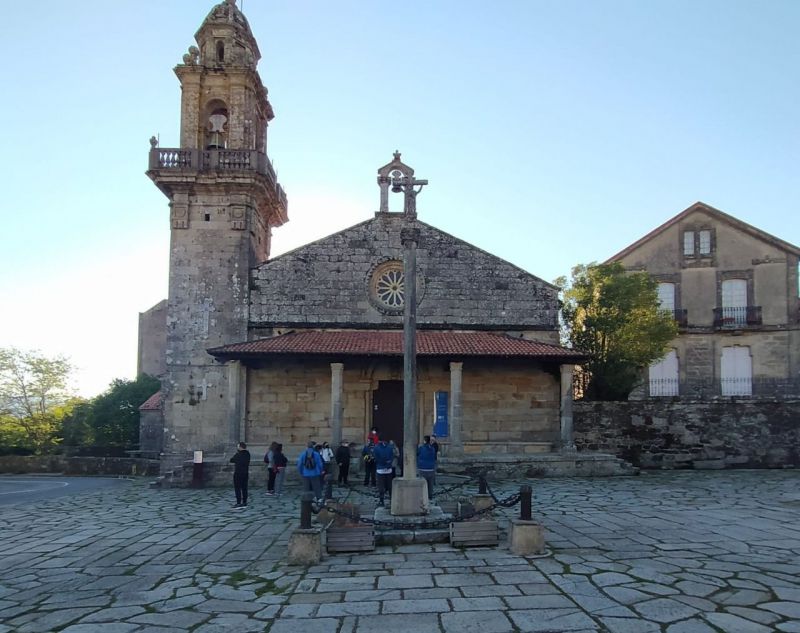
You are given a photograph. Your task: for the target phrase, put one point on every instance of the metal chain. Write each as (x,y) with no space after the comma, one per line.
(489,489)
(500,503)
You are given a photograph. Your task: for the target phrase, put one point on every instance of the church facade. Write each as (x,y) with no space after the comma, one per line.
(308,345)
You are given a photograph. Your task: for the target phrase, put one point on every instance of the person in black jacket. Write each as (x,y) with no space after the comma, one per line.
(241,474)
(343,462)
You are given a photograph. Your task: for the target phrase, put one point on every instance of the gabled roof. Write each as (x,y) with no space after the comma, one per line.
(300,252)
(390,343)
(331,283)
(719,215)
(153,403)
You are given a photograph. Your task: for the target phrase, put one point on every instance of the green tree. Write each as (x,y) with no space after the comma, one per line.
(75,428)
(112,418)
(614,317)
(33,392)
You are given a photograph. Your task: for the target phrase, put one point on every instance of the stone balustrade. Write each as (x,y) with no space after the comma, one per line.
(169,158)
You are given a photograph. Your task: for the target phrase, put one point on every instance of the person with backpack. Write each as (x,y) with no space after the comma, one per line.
(369,463)
(280,461)
(426,464)
(309,465)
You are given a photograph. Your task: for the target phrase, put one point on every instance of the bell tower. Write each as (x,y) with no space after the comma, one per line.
(224,200)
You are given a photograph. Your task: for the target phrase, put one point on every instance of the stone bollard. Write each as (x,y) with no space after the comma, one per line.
(481,502)
(305,543)
(483,499)
(526,537)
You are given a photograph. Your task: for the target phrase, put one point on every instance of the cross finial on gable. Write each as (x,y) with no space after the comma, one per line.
(396,154)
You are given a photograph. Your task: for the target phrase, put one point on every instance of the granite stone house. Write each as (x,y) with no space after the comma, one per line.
(308,345)
(734,292)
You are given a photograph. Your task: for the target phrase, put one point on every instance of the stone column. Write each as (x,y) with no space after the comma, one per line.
(567,441)
(236,406)
(456,440)
(409,236)
(337,387)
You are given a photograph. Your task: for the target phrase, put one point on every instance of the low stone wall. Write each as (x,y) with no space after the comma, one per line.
(125,466)
(692,434)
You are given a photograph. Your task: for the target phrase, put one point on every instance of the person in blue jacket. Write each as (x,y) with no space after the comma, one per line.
(309,465)
(384,455)
(426,464)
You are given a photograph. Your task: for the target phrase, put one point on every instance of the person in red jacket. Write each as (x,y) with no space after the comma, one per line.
(372,436)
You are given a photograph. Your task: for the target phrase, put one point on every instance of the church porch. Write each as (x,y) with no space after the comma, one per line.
(485,395)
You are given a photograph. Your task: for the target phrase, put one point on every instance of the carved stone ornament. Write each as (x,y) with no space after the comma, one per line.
(238,220)
(180,217)
(192,57)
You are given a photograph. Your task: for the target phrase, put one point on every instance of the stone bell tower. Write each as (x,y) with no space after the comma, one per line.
(224,199)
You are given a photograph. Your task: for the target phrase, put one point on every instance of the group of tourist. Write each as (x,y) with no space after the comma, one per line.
(381,460)
(382,463)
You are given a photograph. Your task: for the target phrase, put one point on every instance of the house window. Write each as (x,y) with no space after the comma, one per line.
(705,242)
(734,302)
(666,296)
(698,243)
(664,376)
(736,371)
(688,243)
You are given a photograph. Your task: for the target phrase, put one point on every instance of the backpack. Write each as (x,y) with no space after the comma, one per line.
(281,461)
(309,463)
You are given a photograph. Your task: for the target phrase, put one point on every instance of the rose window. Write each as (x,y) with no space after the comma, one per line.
(390,287)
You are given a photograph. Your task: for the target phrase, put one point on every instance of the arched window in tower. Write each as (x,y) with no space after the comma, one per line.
(220,51)
(215,128)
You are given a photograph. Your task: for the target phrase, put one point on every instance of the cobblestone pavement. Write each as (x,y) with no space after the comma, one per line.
(688,552)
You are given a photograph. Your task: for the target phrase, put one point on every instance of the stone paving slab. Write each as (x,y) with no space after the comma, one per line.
(681,552)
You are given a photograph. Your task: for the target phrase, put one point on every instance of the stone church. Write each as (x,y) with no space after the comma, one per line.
(308,345)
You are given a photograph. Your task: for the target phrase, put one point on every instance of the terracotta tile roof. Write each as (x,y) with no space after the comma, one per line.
(153,403)
(383,343)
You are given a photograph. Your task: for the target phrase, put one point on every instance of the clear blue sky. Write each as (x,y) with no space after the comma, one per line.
(552,133)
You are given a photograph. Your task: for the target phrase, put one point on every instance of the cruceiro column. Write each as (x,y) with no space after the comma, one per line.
(456,440)
(337,370)
(409,494)
(567,441)
(410,238)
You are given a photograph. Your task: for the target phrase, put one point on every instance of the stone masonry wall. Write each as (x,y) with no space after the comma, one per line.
(504,405)
(681,434)
(152,340)
(123,466)
(327,283)
(506,410)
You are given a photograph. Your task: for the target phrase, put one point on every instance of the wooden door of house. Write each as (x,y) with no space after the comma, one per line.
(387,410)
